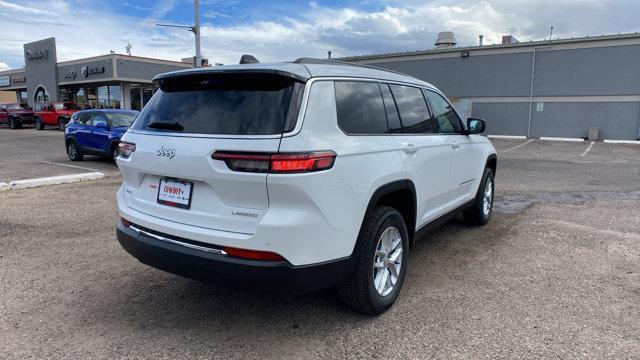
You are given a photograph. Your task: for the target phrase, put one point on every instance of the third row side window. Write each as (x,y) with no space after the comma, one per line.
(414,113)
(360,108)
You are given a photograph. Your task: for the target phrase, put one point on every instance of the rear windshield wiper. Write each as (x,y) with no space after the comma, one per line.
(165,126)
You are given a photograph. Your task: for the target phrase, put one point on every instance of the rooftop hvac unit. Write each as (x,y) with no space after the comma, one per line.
(446,40)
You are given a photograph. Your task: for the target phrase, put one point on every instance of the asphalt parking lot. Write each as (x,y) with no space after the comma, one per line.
(29,153)
(555,274)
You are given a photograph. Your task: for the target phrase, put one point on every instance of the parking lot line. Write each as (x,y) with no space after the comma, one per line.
(67,165)
(518,146)
(588,148)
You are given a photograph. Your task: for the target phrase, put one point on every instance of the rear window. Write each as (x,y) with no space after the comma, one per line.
(414,113)
(224,104)
(121,118)
(360,108)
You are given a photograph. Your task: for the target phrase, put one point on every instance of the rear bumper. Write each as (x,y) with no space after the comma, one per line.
(264,276)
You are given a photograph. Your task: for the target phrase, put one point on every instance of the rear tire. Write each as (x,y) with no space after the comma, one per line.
(61,124)
(73,151)
(115,152)
(14,124)
(381,257)
(480,213)
(38,124)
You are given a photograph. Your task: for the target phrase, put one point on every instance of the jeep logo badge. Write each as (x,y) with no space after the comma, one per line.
(164,152)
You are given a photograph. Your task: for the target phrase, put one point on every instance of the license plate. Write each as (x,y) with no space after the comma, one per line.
(174,192)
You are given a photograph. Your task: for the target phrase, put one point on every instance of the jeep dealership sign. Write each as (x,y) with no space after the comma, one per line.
(86,71)
(37,54)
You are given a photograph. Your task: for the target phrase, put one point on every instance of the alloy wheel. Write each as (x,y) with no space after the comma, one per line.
(72,151)
(487,200)
(387,261)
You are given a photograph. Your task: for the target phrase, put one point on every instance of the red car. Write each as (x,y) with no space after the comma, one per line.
(54,113)
(14,115)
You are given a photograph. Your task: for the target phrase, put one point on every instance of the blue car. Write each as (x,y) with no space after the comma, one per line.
(96,132)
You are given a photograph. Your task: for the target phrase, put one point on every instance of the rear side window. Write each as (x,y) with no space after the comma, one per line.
(83,118)
(393,119)
(360,108)
(224,104)
(448,120)
(414,113)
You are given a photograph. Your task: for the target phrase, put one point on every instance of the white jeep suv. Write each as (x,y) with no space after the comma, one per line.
(297,177)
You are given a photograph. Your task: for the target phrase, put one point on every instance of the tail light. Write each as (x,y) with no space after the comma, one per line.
(252,254)
(125,149)
(281,163)
(125,222)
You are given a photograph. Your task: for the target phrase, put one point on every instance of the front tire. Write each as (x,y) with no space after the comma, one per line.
(381,262)
(73,151)
(39,124)
(482,209)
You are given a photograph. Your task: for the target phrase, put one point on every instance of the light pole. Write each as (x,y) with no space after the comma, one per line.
(195,29)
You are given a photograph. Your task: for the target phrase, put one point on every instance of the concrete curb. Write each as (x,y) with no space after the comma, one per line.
(632,142)
(4,187)
(562,139)
(515,137)
(53,180)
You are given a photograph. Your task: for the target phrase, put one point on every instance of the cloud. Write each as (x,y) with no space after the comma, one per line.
(281,33)
(216,14)
(23,9)
(4,66)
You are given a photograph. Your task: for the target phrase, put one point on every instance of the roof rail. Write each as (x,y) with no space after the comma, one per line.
(307,60)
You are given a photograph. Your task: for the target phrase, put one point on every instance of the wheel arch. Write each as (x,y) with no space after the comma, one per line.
(492,163)
(69,139)
(401,195)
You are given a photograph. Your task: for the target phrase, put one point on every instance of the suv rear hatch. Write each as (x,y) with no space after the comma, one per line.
(189,118)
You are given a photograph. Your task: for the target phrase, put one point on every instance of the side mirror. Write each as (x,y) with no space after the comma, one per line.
(101,124)
(476,126)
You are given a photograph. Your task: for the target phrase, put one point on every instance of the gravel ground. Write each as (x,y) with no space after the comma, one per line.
(555,274)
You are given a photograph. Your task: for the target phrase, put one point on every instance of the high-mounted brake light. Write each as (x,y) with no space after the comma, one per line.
(277,163)
(252,254)
(125,149)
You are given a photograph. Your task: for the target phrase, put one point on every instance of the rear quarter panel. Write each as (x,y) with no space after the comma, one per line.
(338,197)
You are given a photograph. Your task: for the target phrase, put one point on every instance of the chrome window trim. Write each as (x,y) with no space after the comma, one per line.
(301,114)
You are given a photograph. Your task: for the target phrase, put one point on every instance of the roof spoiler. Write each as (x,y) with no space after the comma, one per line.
(248,59)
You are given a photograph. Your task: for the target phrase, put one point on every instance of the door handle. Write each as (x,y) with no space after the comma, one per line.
(409,149)
(455,146)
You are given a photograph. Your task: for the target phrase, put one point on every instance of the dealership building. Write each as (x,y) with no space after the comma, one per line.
(558,88)
(106,81)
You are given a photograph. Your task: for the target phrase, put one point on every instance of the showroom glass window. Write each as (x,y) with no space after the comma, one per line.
(103,97)
(114,97)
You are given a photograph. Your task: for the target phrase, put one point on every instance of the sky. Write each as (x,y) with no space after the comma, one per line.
(285,30)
